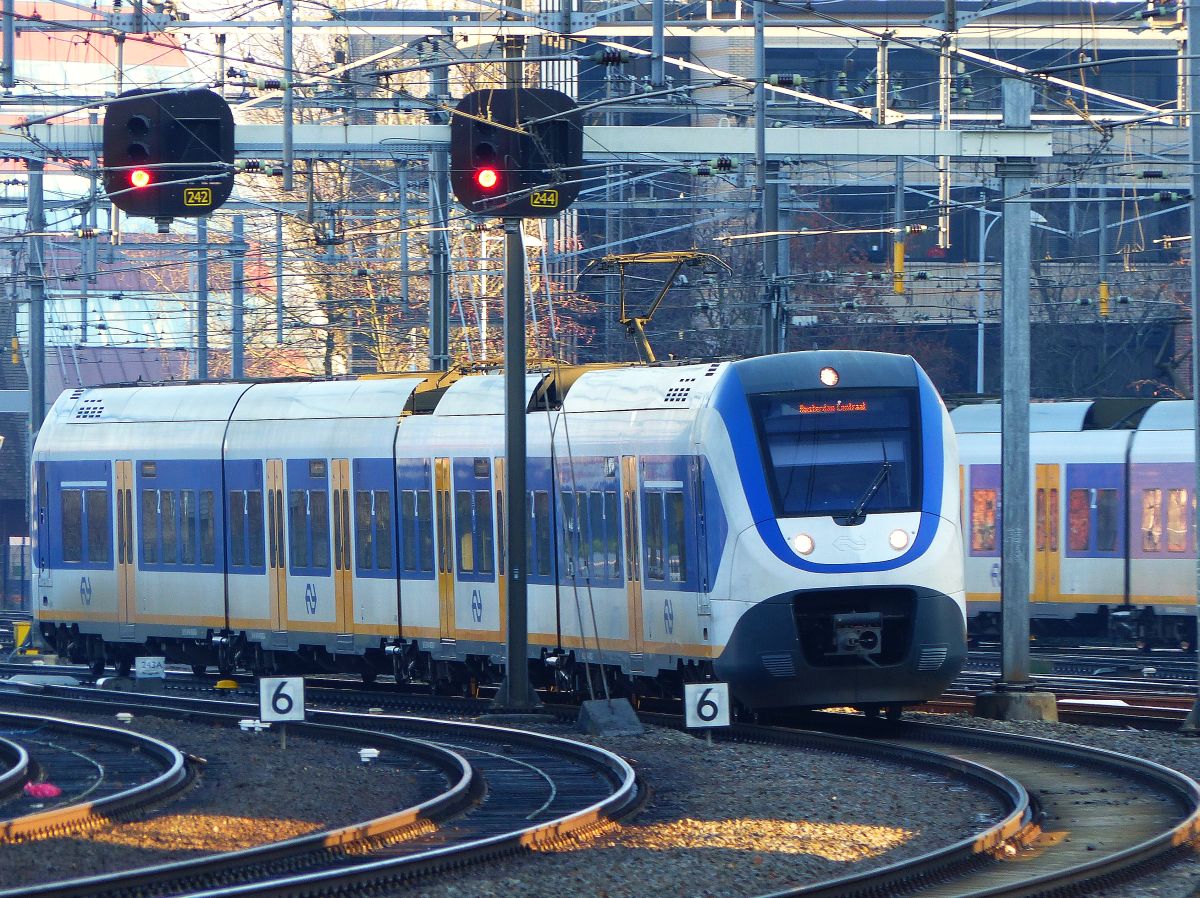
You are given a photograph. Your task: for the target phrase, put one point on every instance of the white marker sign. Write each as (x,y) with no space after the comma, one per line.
(706,704)
(150,668)
(281,698)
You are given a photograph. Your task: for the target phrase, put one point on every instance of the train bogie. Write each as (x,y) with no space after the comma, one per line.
(359,526)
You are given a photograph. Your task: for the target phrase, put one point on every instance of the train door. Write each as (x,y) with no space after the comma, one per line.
(445,548)
(277,556)
(343,570)
(633,555)
(1046,550)
(126,547)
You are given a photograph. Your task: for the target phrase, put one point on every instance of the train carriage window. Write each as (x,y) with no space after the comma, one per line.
(1177,506)
(187,527)
(254,528)
(1052,519)
(464,506)
(298,527)
(676,544)
(408,536)
(98,524)
(1041,519)
(1107,510)
(483,523)
(170,545)
(570,529)
(383,530)
(318,512)
(539,545)
(425,529)
(1079,519)
(612,518)
(1151,520)
(208,534)
(72,525)
(364,533)
(654,537)
(597,560)
(500,550)
(983,520)
(149,526)
(237,527)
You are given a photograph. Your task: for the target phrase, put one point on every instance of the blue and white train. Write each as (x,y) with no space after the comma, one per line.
(787,524)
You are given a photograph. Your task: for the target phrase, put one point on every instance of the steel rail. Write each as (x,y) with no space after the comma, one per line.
(90,814)
(16,763)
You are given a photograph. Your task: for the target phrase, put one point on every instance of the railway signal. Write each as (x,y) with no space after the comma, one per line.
(514,153)
(168,154)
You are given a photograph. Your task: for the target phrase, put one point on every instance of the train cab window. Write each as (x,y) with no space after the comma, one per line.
(1177,507)
(1151,520)
(983,520)
(149,526)
(72,525)
(98,525)
(1107,509)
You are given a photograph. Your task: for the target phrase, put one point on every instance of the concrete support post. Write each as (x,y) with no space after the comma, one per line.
(202,298)
(35,270)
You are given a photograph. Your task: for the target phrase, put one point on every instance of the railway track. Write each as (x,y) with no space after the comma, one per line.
(520,790)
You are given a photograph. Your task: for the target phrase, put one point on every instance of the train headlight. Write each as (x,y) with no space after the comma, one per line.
(803,544)
(898,539)
(829,377)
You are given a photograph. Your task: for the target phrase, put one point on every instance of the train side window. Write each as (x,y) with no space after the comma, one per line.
(187,526)
(483,523)
(98,524)
(1079,519)
(540,532)
(1052,519)
(1151,520)
(570,529)
(363,532)
(383,530)
(983,520)
(254,528)
(319,516)
(425,529)
(408,517)
(598,543)
(1107,509)
(612,519)
(208,531)
(170,544)
(149,526)
(1177,507)
(237,527)
(676,544)
(464,537)
(654,537)
(72,525)
(500,549)
(298,527)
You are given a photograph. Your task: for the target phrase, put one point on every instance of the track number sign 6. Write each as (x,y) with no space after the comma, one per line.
(706,704)
(281,698)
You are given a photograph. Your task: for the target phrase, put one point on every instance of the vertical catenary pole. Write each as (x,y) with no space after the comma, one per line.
(1192,724)
(288,94)
(279,278)
(202,298)
(237,251)
(981,260)
(658,43)
(945,82)
(898,215)
(771,260)
(769,311)
(1016,176)
(8,67)
(35,269)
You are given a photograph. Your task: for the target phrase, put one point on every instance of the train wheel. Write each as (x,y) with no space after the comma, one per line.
(124,666)
(199,669)
(96,667)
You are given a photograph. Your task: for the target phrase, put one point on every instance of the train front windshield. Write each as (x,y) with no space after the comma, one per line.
(845,454)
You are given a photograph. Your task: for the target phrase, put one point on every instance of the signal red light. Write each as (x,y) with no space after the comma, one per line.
(140,177)
(487,178)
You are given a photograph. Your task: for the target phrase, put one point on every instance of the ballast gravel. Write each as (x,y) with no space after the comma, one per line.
(249,792)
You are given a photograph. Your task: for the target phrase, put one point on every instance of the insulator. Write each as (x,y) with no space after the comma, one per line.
(842,87)
(270,84)
(1151,173)
(1170,196)
(248,165)
(611,56)
(921,276)
(85,233)
(703,170)
(916,229)
(786,80)
(723,164)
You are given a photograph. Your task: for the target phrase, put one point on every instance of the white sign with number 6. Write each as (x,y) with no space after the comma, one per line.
(706,704)
(281,698)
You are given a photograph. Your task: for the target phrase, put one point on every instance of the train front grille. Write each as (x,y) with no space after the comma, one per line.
(860,627)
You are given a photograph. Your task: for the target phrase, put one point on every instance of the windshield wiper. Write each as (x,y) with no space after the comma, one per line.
(859,513)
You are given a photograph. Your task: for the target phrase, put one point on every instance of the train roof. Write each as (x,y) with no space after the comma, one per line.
(1043,417)
(1170,414)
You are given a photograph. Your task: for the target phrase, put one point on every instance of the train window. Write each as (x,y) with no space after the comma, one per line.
(318,513)
(676,544)
(1052,519)
(1079,519)
(72,525)
(208,541)
(1107,510)
(363,532)
(1177,506)
(383,530)
(1151,520)
(464,537)
(149,525)
(298,527)
(187,527)
(983,520)
(597,545)
(483,523)
(612,530)
(408,539)
(539,544)
(425,529)
(1040,502)
(98,524)
(237,527)
(654,537)
(170,547)
(500,529)
(254,527)
(570,525)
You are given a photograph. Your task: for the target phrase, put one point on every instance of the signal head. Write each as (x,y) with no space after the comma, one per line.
(140,177)
(487,178)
